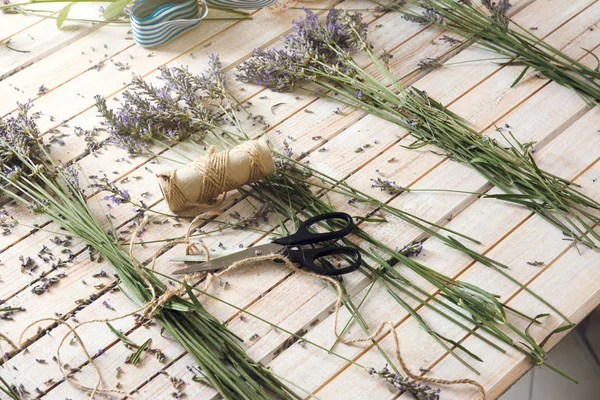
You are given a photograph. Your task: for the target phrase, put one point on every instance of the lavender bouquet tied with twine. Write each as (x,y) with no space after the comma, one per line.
(30,176)
(322,53)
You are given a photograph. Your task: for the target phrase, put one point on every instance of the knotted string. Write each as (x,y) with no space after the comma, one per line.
(148,310)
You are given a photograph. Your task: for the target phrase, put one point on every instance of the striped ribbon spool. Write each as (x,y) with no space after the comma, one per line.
(241,3)
(156,22)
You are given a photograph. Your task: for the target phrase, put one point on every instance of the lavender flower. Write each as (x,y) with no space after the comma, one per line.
(275,69)
(20,143)
(388,186)
(107,305)
(427,16)
(450,40)
(501,7)
(9,10)
(417,19)
(186,106)
(7,223)
(312,48)
(411,250)
(428,64)
(498,10)
(120,198)
(432,16)
(116,196)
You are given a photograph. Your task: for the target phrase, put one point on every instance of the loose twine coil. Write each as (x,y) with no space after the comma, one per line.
(153,306)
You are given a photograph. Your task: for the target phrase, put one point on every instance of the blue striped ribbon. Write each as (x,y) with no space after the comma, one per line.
(241,3)
(156,22)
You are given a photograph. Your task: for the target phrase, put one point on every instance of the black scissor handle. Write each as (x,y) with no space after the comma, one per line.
(304,236)
(306,257)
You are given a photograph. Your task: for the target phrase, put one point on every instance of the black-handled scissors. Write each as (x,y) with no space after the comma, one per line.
(305,256)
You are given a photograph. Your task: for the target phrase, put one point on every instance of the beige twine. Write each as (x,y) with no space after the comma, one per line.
(154,305)
(215,177)
(338,305)
(148,310)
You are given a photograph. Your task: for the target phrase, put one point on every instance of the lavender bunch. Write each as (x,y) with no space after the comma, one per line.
(510,167)
(309,48)
(55,193)
(187,106)
(491,27)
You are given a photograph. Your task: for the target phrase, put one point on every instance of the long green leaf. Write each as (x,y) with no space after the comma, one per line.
(521,75)
(114,9)
(62,15)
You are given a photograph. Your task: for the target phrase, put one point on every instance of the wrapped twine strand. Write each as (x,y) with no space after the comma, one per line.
(203,180)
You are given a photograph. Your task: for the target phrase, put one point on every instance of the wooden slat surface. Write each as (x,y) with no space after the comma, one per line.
(568,144)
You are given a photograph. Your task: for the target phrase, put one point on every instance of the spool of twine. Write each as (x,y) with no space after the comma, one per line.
(203,180)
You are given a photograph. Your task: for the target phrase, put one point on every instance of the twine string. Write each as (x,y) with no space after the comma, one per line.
(148,310)
(338,305)
(155,304)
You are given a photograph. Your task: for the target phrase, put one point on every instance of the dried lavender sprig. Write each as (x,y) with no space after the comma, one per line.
(405,384)
(388,186)
(187,106)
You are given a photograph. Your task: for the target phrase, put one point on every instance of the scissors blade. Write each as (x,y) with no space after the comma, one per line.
(200,258)
(226,261)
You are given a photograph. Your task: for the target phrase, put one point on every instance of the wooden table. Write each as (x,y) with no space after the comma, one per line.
(61,71)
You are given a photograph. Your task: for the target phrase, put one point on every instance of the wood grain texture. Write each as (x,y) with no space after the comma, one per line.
(562,124)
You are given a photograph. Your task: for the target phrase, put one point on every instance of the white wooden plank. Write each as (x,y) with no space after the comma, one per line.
(43,39)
